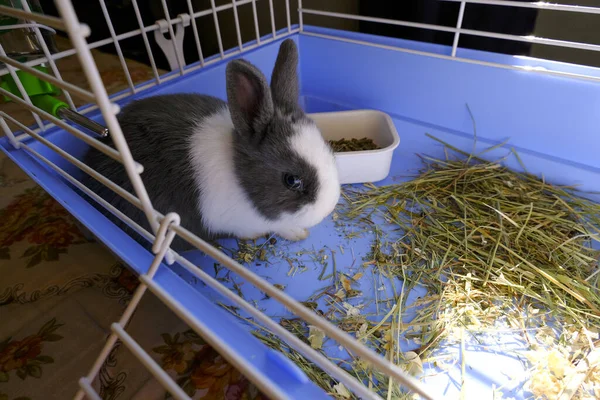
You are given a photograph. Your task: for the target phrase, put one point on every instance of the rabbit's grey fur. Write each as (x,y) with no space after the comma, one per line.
(219,165)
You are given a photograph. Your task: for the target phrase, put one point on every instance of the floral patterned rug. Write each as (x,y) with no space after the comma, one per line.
(61,291)
(59,294)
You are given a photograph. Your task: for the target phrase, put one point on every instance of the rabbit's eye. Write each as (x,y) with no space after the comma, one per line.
(293,182)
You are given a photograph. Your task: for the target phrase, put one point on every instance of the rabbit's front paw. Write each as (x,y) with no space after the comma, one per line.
(294,234)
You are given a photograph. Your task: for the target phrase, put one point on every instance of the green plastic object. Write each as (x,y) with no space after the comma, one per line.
(48,103)
(33,85)
(41,93)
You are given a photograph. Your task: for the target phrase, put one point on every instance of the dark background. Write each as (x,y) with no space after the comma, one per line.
(510,20)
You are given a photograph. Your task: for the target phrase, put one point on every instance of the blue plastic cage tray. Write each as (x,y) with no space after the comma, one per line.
(540,115)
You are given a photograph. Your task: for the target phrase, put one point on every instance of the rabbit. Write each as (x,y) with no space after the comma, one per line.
(251,167)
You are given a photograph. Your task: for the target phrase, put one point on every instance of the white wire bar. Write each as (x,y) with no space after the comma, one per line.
(46,51)
(9,133)
(82,166)
(300,17)
(272,326)
(255,16)
(91,46)
(90,193)
(41,18)
(95,45)
(293,341)
(138,17)
(93,195)
(527,39)
(187,70)
(113,35)
(287,15)
(543,71)
(272,14)
(323,362)
(310,353)
(270,390)
(89,108)
(133,303)
(87,388)
(319,322)
(304,349)
(109,110)
(151,28)
(217,28)
(540,5)
(132,33)
(220,8)
(112,339)
(109,151)
(178,56)
(237,25)
(289,338)
(459,21)
(27,25)
(195,30)
(76,90)
(13,74)
(161,376)
(332,331)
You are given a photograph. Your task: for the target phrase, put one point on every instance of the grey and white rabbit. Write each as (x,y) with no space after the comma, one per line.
(254,166)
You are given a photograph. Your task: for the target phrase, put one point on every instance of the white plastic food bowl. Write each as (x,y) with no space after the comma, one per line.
(360,166)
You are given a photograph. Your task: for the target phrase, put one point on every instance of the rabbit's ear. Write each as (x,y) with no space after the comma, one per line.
(284,81)
(250,102)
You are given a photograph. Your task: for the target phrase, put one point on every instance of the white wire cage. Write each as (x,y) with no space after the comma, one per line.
(165,227)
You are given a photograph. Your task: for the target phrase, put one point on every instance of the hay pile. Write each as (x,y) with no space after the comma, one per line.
(499,252)
(496,249)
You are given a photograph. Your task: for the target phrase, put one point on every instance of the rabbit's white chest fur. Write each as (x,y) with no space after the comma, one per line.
(223,204)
